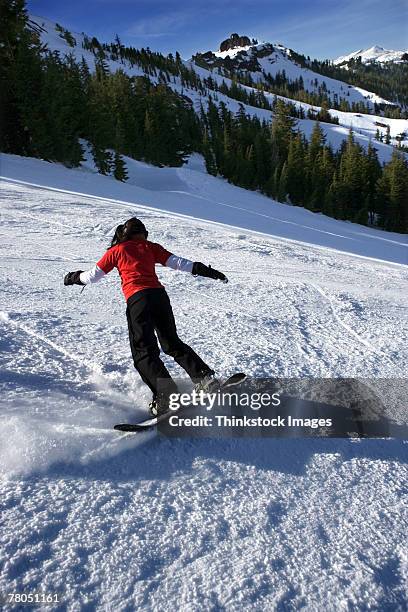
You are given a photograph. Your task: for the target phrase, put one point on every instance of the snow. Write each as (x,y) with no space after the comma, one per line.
(364,129)
(280,60)
(364,124)
(51,37)
(122,522)
(369,124)
(190,191)
(375,54)
(232,53)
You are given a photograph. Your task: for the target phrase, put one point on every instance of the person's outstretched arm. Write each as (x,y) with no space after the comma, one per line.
(94,274)
(200,269)
(196,268)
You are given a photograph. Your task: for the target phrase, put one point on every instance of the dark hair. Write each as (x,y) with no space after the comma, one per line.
(126,230)
(117,236)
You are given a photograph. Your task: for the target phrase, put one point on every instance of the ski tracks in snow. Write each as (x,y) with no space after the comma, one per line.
(4,316)
(238,524)
(305,326)
(351,331)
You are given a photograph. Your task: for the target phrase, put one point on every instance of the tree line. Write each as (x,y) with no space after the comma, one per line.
(388,80)
(50,103)
(278,160)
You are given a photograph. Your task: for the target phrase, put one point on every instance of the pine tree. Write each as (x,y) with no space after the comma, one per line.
(102,159)
(282,128)
(351,177)
(65,117)
(334,199)
(316,144)
(120,171)
(227,154)
(262,159)
(323,114)
(312,168)
(149,137)
(321,179)
(371,169)
(208,154)
(282,191)
(363,214)
(272,185)
(20,80)
(245,168)
(295,170)
(101,120)
(392,193)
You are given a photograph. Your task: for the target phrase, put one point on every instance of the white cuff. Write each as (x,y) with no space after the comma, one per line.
(91,276)
(179,263)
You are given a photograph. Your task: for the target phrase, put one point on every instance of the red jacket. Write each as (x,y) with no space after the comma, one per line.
(135,261)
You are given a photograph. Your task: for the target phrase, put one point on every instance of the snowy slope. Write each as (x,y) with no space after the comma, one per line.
(365,125)
(124,523)
(375,54)
(51,37)
(281,59)
(189,190)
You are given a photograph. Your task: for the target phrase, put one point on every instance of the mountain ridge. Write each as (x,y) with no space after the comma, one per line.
(266,127)
(374,54)
(365,125)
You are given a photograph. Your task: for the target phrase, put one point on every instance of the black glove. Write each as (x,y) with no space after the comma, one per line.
(200,269)
(72,278)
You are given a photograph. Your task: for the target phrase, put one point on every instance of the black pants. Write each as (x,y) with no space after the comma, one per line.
(149,311)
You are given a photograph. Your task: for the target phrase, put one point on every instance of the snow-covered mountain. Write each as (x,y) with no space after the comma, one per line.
(375,54)
(258,59)
(264,60)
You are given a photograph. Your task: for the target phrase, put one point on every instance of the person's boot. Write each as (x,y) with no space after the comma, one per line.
(161,399)
(158,406)
(209,384)
(153,407)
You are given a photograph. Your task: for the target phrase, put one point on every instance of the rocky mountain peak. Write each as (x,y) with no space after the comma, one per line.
(235,41)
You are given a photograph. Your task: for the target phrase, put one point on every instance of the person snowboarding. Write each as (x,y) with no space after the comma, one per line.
(149,312)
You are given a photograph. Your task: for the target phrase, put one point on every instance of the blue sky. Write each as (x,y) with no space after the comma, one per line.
(319,28)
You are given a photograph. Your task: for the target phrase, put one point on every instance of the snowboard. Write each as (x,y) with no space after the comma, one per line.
(152,422)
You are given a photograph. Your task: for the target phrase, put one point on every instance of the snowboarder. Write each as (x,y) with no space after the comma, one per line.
(148,309)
